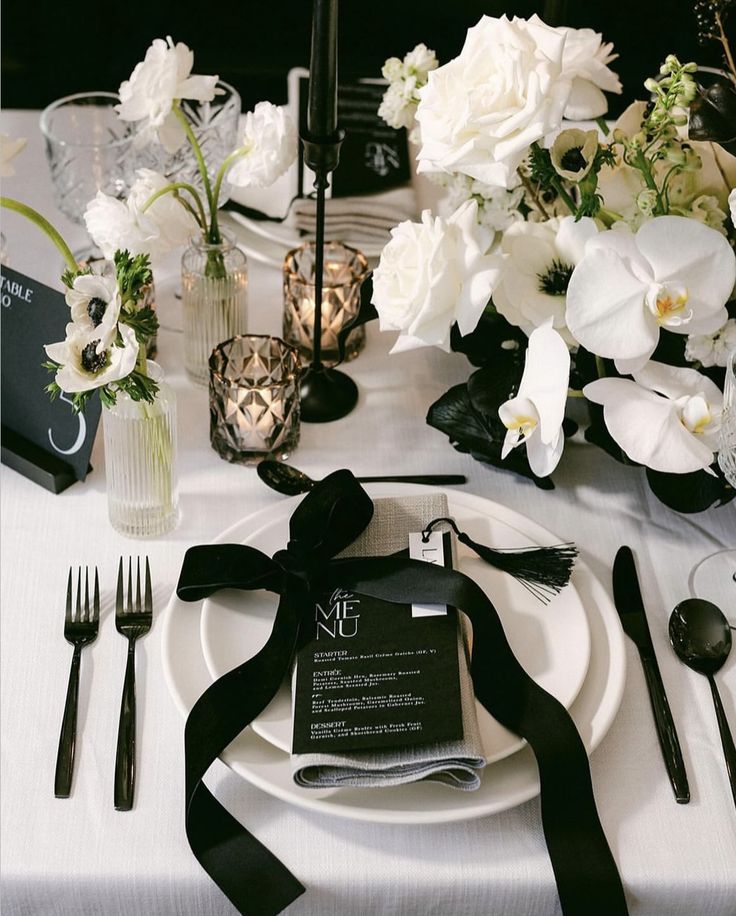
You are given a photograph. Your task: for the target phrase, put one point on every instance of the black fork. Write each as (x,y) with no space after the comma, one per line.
(132,619)
(80,628)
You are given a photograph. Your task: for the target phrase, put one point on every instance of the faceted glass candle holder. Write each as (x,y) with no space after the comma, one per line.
(254,399)
(345,269)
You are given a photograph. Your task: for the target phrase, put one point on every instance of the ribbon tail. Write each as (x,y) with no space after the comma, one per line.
(585,870)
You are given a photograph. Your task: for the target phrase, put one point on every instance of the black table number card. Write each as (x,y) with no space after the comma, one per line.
(42,439)
(373,157)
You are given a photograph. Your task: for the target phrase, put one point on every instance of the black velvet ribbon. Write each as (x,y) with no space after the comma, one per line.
(327,520)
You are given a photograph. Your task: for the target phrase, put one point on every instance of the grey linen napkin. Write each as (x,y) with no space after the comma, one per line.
(454,763)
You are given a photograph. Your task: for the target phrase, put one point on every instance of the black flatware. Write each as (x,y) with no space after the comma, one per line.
(630,607)
(291,481)
(701,638)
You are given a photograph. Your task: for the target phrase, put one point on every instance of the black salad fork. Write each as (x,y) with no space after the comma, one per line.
(81,623)
(132,619)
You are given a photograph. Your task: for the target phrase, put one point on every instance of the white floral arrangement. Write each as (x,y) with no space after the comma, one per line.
(577,261)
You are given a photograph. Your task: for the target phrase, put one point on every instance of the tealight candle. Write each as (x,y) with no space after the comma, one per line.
(345,269)
(254,399)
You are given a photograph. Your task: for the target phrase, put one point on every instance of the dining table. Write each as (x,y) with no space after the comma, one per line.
(78,856)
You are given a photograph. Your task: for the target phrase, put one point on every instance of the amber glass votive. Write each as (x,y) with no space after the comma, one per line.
(345,269)
(254,399)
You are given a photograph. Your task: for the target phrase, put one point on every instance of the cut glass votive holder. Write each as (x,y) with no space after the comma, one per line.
(254,399)
(344,270)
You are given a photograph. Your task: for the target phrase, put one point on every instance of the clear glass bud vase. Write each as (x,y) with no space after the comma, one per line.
(214,282)
(140,462)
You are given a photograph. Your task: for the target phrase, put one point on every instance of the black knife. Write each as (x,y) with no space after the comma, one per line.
(630,607)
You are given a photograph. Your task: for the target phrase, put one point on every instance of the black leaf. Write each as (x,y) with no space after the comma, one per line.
(694,492)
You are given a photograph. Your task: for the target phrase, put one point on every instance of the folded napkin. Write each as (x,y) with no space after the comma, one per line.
(360,220)
(454,763)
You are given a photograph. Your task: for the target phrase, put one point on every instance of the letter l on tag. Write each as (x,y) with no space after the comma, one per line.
(429,551)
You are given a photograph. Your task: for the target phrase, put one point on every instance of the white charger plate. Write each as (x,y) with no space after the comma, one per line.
(552,642)
(505,784)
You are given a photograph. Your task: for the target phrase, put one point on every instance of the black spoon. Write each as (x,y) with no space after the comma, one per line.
(701,637)
(291,481)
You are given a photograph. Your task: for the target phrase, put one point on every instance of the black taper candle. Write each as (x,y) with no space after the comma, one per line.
(322,111)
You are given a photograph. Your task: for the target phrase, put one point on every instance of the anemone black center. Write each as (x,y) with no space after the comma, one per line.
(96,310)
(91,360)
(573,160)
(555,279)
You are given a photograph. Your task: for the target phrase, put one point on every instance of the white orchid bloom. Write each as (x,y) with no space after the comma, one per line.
(433,274)
(674,273)
(83,367)
(95,306)
(271,144)
(123,225)
(535,415)
(157,83)
(667,419)
(9,149)
(539,259)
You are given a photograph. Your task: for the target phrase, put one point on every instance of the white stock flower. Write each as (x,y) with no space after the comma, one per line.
(419,61)
(498,207)
(399,104)
(539,259)
(535,415)
(95,306)
(84,367)
(706,210)
(160,80)
(712,349)
(9,149)
(667,419)
(585,61)
(432,274)
(118,225)
(674,273)
(479,113)
(732,205)
(271,145)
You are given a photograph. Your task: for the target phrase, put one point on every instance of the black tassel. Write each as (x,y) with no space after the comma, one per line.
(543,571)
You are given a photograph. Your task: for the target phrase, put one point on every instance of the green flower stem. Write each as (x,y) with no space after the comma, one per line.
(575,393)
(569,202)
(214,232)
(609,217)
(140,363)
(533,193)
(237,154)
(604,128)
(600,367)
(35,217)
(183,186)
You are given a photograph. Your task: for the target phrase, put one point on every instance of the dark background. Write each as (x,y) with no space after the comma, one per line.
(51,48)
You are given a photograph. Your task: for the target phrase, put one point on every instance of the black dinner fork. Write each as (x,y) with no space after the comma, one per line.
(80,628)
(132,619)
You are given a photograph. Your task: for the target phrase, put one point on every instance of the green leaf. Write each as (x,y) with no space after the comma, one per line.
(478,434)
(694,492)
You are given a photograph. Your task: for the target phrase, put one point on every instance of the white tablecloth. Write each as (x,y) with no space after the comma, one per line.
(78,856)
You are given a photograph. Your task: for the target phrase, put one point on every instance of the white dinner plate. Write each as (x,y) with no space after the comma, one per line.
(551,641)
(505,784)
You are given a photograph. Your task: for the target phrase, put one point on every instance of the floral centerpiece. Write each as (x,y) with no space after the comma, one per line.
(572,262)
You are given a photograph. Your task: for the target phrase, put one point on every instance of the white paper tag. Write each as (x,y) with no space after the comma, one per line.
(428,551)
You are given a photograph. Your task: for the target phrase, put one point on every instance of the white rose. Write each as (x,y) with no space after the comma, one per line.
(432,274)
(479,113)
(157,82)
(9,149)
(270,146)
(584,61)
(95,306)
(119,225)
(83,366)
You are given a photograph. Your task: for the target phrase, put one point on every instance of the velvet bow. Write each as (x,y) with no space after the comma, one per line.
(327,520)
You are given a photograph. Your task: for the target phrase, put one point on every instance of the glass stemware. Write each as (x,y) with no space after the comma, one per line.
(88,149)
(727,446)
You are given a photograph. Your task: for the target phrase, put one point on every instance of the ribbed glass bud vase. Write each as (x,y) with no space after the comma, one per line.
(214,286)
(140,462)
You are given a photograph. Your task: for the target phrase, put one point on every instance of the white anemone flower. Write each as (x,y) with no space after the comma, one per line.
(83,367)
(95,306)
(674,273)
(535,415)
(271,144)
(156,84)
(9,149)
(667,418)
(539,259)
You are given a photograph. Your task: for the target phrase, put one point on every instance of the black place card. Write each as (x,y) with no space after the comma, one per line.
(42,439)
(373,157)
